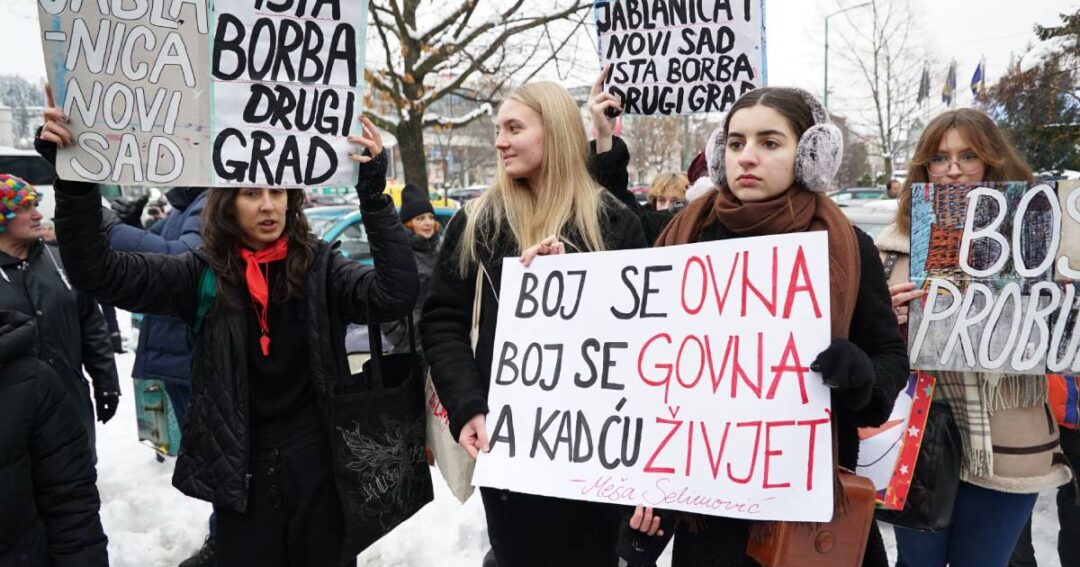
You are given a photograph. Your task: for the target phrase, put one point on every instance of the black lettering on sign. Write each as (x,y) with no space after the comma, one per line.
(291,55)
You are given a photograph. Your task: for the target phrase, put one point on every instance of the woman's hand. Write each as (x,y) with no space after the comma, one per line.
(54,134)
(473,437)
(902,294)
(369,138)
(547,246)
(600,103)
(371,178)
(646,522)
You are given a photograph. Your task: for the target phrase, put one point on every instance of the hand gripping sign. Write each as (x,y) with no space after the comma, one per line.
(674,377)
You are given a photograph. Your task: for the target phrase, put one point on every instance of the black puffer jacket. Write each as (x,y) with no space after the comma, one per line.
(48,499)
(460,378)
(71,330)
(213,460)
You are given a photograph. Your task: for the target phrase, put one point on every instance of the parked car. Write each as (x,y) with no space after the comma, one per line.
(858,196)
(465,194)
(872,216)
(343,223)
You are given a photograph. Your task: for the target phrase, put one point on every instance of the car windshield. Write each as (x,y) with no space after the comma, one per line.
(30,168)
(321,225)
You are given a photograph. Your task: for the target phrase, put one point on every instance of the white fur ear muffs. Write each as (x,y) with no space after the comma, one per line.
(821,148)
(714,156)
(817,158)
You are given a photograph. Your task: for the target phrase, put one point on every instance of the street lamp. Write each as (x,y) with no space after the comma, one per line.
(836,13)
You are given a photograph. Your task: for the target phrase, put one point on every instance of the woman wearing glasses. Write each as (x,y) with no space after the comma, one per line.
(1007,442)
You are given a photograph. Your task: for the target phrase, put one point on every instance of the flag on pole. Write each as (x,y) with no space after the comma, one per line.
(978,80)
(924,85)
(948,91)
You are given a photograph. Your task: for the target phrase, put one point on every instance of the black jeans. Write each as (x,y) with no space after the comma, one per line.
(293,517)
(1068,515)
(537,531)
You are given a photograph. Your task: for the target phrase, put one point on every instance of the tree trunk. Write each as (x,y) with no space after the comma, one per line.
(410,136)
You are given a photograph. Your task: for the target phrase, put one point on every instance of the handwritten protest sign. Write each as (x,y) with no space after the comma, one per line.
(131,77)
(675,377)
(681,57)
(1001,274)
(189,92)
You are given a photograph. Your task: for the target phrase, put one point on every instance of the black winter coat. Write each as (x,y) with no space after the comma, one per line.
(461,378)
(426,253)
(610,170)
(722,541)
(48,498)
(213,460)
(71,330)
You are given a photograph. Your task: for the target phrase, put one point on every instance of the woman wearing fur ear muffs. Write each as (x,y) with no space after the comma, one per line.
(771,162)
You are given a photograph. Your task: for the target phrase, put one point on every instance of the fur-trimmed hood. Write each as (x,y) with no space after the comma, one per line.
(892,239)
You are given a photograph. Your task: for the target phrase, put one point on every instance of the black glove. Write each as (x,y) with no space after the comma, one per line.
(45,148)
(109,220)
(130,211)
(106,403)
(848,370)
(639,549)
(371,183)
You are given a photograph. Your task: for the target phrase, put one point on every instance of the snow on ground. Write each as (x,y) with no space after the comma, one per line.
(151,524)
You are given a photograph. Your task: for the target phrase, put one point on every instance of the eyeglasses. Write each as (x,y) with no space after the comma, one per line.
(968,163)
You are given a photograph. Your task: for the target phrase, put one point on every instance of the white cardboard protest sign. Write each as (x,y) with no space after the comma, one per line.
(193,92)
(674,377)
(681,57)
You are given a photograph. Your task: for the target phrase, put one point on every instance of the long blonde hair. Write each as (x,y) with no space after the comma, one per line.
(1003,162)
(568,200)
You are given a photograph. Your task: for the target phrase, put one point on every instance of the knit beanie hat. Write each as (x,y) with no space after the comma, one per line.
(14,195)
(699,167)
(414,202)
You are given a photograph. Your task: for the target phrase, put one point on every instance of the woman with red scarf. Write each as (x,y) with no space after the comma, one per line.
(269,304)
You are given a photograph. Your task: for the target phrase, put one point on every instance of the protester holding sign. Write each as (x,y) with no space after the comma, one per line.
(1007,439)
(269,304)
(771,162)
(542,201)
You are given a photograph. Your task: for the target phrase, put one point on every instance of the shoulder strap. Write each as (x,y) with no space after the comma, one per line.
(890,263)
(207,297)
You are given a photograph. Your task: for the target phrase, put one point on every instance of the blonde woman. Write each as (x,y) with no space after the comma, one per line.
(668,190)
(542,201)
(1008,441)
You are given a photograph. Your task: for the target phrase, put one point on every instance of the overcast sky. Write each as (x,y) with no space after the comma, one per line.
(962,29)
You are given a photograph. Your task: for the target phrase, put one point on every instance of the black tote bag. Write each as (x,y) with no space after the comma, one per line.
(380,469)
(936,477)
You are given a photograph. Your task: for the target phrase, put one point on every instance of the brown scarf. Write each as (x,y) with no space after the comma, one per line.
(796,210)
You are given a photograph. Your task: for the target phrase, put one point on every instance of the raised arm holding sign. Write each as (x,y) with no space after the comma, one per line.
(681,57)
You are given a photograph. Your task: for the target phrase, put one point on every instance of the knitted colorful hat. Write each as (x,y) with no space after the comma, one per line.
(14,195)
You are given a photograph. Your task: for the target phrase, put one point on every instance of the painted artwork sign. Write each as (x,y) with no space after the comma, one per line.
(682,57)
(677,378)
(200,93)
(1000,264)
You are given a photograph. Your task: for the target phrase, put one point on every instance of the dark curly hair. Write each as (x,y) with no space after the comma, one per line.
(222,237)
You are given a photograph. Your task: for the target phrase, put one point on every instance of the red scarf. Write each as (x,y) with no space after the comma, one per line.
(258,283)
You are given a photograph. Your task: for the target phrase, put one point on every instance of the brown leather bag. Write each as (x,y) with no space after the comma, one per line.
(838,543)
